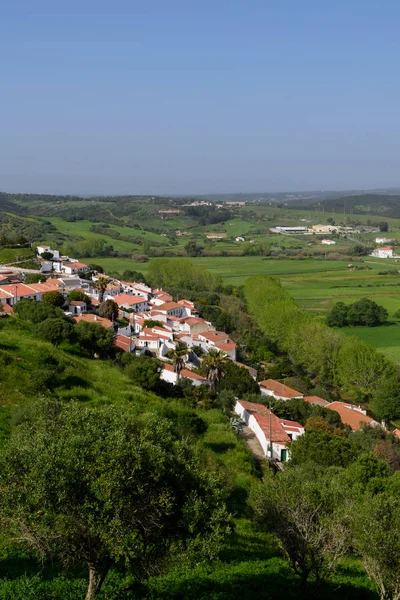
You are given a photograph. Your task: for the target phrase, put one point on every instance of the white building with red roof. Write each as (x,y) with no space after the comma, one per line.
(280,391)
(269,429)
(168,374)
(135,303)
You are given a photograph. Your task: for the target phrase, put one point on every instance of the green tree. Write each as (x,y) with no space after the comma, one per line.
(94,339)
(101,285)
(304,513)
(47,255)
(386,400)
(359,250)
(109,310)
(236,379)
(322,448)
(78,295)
(338,315)
(144,371)
(383,226)
(192,249)
(375,526)
(54,298)
(36,312)
(366,312)
(178,357)
(108,487)
(214,363)
(55,331)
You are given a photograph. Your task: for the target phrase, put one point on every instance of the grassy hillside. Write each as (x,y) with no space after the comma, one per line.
(250,562)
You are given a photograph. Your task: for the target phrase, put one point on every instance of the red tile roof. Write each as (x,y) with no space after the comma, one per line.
(279,389)
(351,416)
(168,306)
(94,319)
(186,373)
(225,346)
(122,299)
(315,400)
(122,341)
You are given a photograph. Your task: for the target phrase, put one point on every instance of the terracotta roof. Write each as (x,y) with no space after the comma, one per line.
(5,294)
(280,428)
(94,319)
(186,373)
(351,416)
(253,407)
(168,306)
(193,320)
(122,341)
(7,308)
(122,299)
(187,303)
(279,389)
(225,346)
(315,400)
(75,265)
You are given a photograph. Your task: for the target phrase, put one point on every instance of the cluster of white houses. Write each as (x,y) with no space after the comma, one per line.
(155,323)
(274,434)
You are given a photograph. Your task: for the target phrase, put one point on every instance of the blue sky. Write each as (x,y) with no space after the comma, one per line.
(199,96)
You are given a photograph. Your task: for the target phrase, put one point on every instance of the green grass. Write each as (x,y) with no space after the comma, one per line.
(385,338)
(10,255)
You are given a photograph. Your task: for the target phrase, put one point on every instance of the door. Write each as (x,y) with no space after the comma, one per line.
(283,455)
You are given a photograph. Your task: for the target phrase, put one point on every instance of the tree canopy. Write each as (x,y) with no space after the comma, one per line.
(108,487)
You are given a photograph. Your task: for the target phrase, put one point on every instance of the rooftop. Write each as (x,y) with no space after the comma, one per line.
(279,389)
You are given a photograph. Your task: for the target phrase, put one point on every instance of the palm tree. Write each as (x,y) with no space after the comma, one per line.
(177,355)
(101,285)
(214,362)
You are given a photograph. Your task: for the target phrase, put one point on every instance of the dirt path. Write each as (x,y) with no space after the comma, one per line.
(253,443)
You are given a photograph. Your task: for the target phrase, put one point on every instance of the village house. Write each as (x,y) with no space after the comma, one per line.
(280,391)
(168,374)
(73,267)
(125,343)
(172,309)
(48,250)
(384,252)
(89,318)
(328,242)
(270,430)
(316,400)
(384,240)
(194,325)
(352,415)
(77,307)
(135,303)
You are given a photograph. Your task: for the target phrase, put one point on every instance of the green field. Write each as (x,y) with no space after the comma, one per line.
(385,338)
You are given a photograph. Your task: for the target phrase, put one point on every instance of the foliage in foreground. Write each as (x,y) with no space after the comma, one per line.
(108,488)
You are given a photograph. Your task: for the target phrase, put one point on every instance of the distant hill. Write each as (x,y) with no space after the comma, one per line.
(387,205)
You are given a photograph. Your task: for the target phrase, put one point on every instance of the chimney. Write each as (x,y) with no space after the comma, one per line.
(95,317)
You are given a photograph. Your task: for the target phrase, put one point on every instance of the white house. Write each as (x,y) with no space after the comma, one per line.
(43,249)
(77,307)
(328,242)
(384,240)
(73,267)
(172,309)
(384,252)
(168,374)
(239,239)
(280,391)
(269,429)
(135,303)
